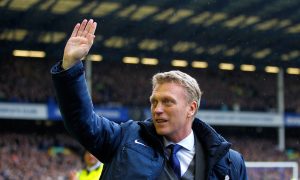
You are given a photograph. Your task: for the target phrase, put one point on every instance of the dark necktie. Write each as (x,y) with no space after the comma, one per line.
(174,162)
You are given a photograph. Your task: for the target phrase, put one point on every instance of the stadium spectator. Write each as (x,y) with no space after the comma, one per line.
(92,170)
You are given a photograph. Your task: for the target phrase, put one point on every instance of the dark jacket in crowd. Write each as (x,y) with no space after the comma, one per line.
(132,150)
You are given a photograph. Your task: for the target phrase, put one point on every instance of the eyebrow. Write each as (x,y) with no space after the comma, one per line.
(152,97)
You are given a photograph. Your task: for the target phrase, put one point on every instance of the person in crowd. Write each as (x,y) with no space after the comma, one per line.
(92,171)
(172,144)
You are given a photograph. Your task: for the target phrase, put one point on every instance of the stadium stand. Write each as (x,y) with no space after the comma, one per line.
(31,151)
(245,91)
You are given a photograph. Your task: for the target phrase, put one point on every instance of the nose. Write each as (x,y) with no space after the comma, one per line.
(158,109)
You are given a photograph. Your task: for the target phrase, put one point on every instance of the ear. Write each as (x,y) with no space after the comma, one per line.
(192,109)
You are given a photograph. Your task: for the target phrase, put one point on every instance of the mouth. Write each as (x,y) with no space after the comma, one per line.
(159,121)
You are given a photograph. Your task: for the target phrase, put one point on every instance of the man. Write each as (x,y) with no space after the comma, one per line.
(92,171)
(173,144)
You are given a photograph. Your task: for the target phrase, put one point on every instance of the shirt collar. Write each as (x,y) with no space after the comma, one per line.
(95,166)
(188,142)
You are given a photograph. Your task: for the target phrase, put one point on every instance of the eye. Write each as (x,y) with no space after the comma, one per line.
(153,102)
(167,102)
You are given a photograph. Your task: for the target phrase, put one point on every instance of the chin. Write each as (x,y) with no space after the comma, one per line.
(161,131)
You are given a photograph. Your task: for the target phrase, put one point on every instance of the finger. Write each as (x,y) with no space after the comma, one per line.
(88,27)
(91,33)
(75,30)
(82,27)
(93,28)
(90,39)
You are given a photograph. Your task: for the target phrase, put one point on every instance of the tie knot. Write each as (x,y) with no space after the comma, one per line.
(174,148)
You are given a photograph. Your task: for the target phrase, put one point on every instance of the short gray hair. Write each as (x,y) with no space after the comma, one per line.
(189,83)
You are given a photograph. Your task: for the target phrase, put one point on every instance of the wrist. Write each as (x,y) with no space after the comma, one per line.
(67,63)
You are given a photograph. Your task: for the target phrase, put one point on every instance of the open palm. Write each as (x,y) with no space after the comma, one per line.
(80,43)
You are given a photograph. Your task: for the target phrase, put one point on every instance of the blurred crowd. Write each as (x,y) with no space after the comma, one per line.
(53,156)
(129,85)
(264,149)
(33,156)
(24,81)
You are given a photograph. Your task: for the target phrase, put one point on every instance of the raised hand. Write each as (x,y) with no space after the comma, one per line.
(80,43)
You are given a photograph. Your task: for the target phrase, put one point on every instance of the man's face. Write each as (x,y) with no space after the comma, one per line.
(89,159)
(171,112)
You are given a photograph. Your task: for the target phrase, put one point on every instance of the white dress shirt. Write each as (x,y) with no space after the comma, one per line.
(186,154)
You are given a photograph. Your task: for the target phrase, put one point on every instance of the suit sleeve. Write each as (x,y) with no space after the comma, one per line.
(97,134)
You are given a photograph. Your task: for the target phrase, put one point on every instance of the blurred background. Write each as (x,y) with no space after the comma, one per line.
(244,54)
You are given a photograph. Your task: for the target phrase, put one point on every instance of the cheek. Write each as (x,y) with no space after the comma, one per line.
(180,116)
(180,112)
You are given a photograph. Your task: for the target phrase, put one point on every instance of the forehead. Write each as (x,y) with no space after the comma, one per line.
(168,89)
